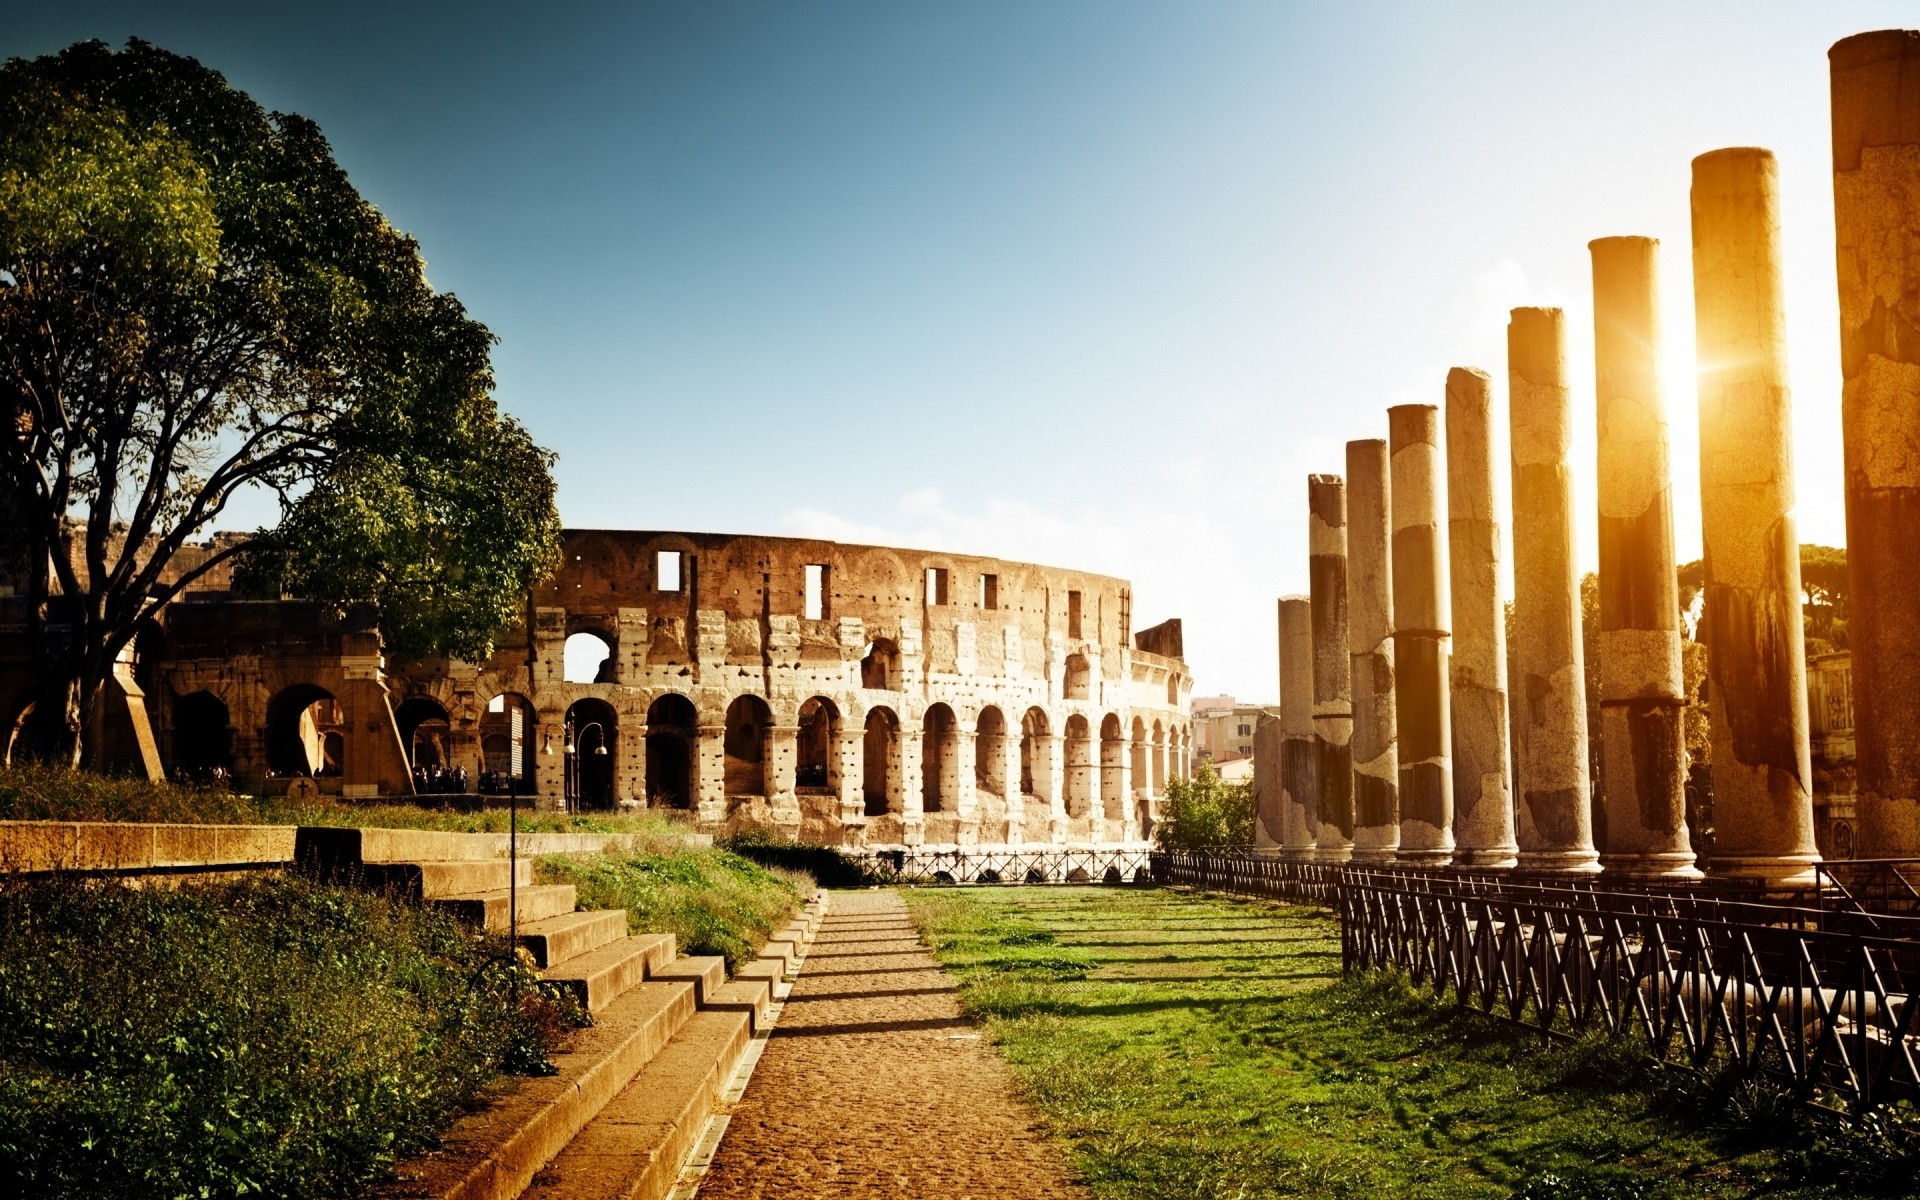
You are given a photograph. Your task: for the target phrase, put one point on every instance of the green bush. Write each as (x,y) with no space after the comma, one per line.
(827,866)
(272,1037)
(713,901)
(1205,813)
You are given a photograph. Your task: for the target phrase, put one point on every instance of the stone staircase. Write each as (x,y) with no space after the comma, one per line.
(633,1092)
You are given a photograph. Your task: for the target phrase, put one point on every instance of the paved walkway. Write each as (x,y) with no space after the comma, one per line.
(873,1084)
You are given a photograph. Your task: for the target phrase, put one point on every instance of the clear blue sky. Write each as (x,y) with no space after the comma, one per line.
(1094,284)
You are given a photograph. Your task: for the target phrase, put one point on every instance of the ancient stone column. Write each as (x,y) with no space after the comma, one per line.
(1422,625)
(1299,797)
(1643,751)
(1332,669)
(1876,209)
(1477,684)
(1554,824)
(1756,664)
(1376,766)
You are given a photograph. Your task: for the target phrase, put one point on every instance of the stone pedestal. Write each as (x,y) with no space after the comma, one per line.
(1643,753)
(1332,669)
(1376,765)
(1299,797)
(1422,624)
(1876,204)
(1477,671)
(1756,661)
(1554,824)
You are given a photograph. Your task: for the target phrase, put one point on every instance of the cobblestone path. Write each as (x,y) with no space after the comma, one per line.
(873,1084)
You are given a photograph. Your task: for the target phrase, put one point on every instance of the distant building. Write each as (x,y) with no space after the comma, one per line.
(1223,728)
(1830,729)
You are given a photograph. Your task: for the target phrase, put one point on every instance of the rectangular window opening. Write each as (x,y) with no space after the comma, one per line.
(1073,614)
(816,602)
(990,591)
(936,585)
(666,571)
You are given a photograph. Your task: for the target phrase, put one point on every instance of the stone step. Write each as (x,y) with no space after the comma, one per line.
(773,970)
(753,996)
(455,877)
(494,1154)
(488,910)
(633,1150)
(554,940)
(706,972)
(598,977)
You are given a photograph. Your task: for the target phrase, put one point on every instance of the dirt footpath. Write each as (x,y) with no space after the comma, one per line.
(873,1084)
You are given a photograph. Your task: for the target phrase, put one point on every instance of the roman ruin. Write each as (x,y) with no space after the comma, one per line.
(1477,671)
(1332,669)
(1876,205)
(1762,777)
(1421,624)
(843,694)
(1552,821)
(1643,760)
(1299,788)
(1376,783)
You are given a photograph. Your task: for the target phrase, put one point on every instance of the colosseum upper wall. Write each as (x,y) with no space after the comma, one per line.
(841,693)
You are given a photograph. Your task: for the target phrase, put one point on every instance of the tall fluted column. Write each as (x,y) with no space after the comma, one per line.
(1554,824)
(1756,664)
(1643,751)
(1422,625)
(1376,765)
(1477,689)
(1299,799)
(1876,209)
(1332,689)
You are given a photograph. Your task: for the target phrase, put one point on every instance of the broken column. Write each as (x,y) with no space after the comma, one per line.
(1477,671)
(1421,629)
(1876,208)
(1643,753)
(1299,801)
(1332,695)
(1376,767)
(1756,665)
(1553,824)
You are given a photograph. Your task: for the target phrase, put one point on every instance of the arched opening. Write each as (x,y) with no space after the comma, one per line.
(1036,755)
(880,666)
(990,753)
(939,760)
(305,734)
(202,739)
(507,744)
(1077,682)
(748,719)
(1079,764)
(1141,753)
(425,732)
(671,722)
(880,766)
(1113,758)
(591,732)
(1159,759)
(816,759)
(586,658)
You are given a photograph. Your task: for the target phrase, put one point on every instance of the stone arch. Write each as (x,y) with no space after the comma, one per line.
(202,742)
(1159,758)
(990,752)
(939,760)
(880,760)
(1078,792)
(672,723)
(880,666)
(593,730)
(305,733)
(1113,757)
(508,743)
(748,720)
(425,729)
(816,748)
(1036,754)
(587,657)
(1141,752)
(1076,681)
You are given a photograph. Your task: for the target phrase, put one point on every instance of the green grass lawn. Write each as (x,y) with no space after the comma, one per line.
(1199,1046)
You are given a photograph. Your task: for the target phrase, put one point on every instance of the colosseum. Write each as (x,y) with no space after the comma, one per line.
(842,694)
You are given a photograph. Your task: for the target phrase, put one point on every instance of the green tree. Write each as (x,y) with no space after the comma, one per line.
(1823,591)
(195,304)
(1206,813)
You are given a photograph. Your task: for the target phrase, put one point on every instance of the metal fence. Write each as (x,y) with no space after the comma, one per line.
(1038,864)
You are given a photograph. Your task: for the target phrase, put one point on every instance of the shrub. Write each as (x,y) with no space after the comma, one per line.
(1205,813)
(827,866)
(273,1036)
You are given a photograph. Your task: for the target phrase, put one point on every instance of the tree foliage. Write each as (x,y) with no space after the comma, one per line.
(195,305)
(1205,813)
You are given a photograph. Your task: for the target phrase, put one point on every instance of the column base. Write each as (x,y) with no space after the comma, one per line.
(1671,866)
(1295,854)
(1496,858)
(1560,862)
(1333,854)
(1425,858)
(1773,870)
(1375,854)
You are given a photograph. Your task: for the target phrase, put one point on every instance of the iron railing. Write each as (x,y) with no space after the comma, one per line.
(1036,864)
